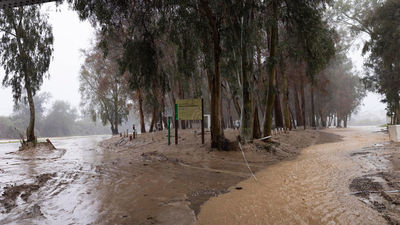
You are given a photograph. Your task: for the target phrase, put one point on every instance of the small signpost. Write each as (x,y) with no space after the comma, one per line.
(189,109)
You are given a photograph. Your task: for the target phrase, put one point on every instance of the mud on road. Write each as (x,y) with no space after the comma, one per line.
(140,182)
(311,189)
(379,186)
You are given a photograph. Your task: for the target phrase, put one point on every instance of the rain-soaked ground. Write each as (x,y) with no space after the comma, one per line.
(58,183)
(316,188)
(148,182)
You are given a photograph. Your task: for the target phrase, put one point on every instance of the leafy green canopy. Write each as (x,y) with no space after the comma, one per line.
(25,49)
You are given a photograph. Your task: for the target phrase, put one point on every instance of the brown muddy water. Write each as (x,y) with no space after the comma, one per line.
(59,183)
(96,180)
(312,189)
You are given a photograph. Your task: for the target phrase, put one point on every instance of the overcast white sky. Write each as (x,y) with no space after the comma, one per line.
(71,35)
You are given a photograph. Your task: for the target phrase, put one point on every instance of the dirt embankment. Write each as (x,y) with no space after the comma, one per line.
(168,184)
(380,188)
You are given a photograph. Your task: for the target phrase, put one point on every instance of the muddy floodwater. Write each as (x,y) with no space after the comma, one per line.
(312,189)
(303,177)
(50,187)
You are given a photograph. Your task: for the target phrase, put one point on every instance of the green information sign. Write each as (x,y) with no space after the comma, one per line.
(189,109)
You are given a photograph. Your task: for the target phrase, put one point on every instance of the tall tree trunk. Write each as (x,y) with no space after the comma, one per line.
(303,103)
(236,105)
(334,119)
(113,131)
(272,71)
(181,95)
(30,131)
(299,114)
(230,114)
(217,133)
(153,118)
(323,119)
(256,124)
(396,119)
(278,107)
(286,101)
(293,125)
(245,117)
(345,121)
(141,116)
(313,124)
(115,111)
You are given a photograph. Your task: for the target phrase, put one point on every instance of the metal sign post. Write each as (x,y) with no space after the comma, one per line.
(202,121)
(169,130)
(176,124)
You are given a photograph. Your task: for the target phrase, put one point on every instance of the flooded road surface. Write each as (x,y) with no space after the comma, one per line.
(312,189)
(69,173)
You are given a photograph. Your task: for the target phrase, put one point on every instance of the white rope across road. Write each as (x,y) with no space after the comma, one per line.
(244,157)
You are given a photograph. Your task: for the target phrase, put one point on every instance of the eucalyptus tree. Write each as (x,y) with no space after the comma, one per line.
(26,50)
(303,19)
(384,59)
(103,89)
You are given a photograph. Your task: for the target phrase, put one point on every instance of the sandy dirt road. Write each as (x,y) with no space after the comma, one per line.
(312,189)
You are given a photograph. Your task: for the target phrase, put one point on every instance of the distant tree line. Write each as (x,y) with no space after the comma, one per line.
(59,120)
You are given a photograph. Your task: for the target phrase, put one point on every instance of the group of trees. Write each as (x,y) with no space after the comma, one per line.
(384,55)
(61,119)
(379,21)
(270,63)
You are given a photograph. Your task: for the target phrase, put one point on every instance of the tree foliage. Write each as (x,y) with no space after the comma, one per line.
(384,55)
(26,50)
(102,89)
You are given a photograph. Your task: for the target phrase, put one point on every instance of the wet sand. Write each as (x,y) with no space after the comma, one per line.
(140,182)
(312,189)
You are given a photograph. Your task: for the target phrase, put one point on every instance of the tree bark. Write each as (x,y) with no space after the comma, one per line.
(299,114)
(323,119)
(245,117)
(272,71)
(256,124)
(153,119)
(303,104)
(286,102)
(141,116)
(217,133)
(278,107)
(181,95)
(30,131)
(114,130)
(313,124)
